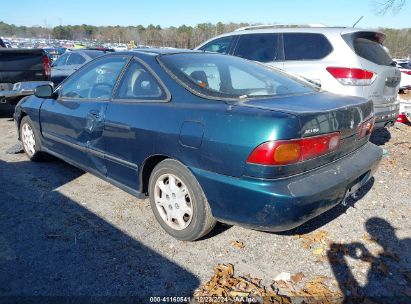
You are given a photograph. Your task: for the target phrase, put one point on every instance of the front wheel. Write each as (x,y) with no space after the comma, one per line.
(178,202)
(30,139)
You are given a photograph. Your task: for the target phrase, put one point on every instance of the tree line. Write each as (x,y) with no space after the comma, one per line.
(398,41)
(153,35)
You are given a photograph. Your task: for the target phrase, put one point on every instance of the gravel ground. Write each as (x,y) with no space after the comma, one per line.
(64,232)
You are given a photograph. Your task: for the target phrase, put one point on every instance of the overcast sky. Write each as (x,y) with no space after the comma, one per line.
(192,12)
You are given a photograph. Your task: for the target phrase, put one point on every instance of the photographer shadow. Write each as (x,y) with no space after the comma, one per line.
(53,246)
(389,270)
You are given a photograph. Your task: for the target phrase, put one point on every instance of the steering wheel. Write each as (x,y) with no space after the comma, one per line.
(100,90)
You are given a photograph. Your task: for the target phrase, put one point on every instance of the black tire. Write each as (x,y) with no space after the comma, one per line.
(35,155)
(202,221)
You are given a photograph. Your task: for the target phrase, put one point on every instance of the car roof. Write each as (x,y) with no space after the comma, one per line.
(159,51)
(295,29)
(86,51)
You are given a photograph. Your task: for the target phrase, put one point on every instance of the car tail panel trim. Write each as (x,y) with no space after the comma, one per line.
(284,152)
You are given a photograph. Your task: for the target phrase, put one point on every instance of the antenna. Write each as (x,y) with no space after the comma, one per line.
(358,21)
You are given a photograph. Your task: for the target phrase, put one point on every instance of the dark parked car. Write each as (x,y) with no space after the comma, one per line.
(54,53)
(68,63)
(206,136)
(21,65)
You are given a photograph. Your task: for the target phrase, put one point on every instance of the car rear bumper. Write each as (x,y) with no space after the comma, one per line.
(386,114)
(282,204)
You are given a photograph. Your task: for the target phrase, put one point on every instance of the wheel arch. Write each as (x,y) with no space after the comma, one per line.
(147,168)
(18,122)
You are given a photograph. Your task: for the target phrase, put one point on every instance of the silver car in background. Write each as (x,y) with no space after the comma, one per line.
(346,61)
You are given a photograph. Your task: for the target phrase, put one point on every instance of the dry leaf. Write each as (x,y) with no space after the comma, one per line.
(224,284)
(238,294)
(318,251)
(297,277)
(311,239)
(318,289)
(322,259)
(369,238)
(237,244)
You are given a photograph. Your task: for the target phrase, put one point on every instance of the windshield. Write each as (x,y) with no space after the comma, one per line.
(221,76)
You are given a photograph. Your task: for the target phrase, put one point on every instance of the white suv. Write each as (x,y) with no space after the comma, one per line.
(344,61)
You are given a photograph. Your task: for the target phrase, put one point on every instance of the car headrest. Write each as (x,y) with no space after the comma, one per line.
(145,86)
(200,77)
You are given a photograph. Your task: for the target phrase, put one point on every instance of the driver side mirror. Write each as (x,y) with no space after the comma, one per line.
(44,91)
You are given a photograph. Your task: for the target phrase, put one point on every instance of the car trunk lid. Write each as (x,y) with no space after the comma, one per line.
(318,114)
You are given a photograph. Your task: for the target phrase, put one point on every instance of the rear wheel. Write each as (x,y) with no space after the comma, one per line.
(30,139)
(178,202)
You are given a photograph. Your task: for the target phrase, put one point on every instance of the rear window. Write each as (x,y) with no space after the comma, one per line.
(227,77)
(372,51)
(258,47)
(306,46)
(94,54)
(15,60)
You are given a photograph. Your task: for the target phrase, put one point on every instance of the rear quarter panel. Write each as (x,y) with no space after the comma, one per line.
(223,136)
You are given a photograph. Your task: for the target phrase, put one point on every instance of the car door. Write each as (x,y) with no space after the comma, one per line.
(131,118)
(72,124)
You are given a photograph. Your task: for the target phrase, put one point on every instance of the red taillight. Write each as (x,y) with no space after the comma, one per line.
(402,118)
(351,76)
(47,67)
(284,152)
(366,128)
(407,72)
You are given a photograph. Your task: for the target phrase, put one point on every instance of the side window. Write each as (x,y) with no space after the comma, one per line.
(139,83)
(96,81)
(61,60)
(306,46)
(220,45)
(258,47)
(75,59)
